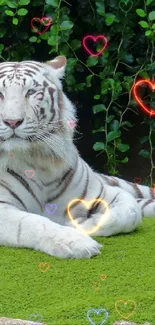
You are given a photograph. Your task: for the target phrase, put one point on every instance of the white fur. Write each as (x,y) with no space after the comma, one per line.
(52,234)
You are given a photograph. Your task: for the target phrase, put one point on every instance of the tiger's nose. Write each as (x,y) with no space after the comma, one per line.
(13,123)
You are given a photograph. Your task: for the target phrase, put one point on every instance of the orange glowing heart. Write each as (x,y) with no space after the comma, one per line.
(151,84)
(87,205)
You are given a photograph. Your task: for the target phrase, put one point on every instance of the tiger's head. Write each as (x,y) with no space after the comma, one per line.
(34,111)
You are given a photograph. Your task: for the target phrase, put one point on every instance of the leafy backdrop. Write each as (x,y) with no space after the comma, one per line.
(129,27)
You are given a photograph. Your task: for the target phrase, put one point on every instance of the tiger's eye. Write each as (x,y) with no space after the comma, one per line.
(30,92)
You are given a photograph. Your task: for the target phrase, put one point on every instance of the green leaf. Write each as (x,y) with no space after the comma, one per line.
(144,139)
(75,44)
(53,3)
(88,80)
(99,108)
(110,118)
(98,130)
(148,2)
(143,24)
(113,135)
(1,47)
(144,153)
(153,26)
(110,18)
(12,4)
(152,15)
(125,160)
(97,96)
(140,12)
(148,33)
(98,146)
(15,21)
(24,2)
(92,61)
(127,124)
(22,12)
(3,2)
(123,147)
(114,125)
(52,40)
(9,12)
(2,33)
(72,62)
(80,86)
(100,8)
(66,25)
(33,39)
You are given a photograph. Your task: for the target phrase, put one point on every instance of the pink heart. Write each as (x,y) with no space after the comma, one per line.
(94,38)
(72,124)
(29,173)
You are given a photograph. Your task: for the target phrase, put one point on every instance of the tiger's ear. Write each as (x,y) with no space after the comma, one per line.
(59,64)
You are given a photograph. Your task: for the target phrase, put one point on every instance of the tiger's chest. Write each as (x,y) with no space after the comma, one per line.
(40,189)
(47,189)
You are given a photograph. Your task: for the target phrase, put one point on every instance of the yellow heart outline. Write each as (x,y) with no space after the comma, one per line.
(125,304)
(76,224)
(105,276)
(43,264)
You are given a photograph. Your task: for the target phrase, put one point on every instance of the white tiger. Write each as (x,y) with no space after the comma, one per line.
(35,136)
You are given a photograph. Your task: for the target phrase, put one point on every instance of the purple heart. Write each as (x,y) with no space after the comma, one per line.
(51,208)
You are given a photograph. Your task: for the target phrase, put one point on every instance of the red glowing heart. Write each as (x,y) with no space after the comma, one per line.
(137,180)
(46,21)
(94,39)
(138,99)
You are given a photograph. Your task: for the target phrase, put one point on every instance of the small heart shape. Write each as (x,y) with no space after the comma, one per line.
(29,173)
(72,124)
(125,6)
(88,206)
(151,84)
(97,312)
(36,318)
(132,302)
(46,21)
(51,208)
(96,286)
(103,277)
(94,39)
(137,180)
(43,267)
(11,154)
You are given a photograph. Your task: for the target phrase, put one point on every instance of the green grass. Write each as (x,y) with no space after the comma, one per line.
(64,293)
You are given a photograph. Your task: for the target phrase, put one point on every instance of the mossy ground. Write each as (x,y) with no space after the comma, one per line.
(65,293)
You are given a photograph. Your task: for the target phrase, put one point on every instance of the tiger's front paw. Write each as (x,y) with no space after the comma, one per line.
(70,243)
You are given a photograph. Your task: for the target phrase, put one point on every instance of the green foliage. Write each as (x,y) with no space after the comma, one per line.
(129,27)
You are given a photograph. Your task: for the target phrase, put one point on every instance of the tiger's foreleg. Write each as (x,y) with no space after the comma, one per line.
(124,214)
(23,229)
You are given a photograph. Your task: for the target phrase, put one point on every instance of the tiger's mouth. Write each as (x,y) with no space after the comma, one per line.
(14,136)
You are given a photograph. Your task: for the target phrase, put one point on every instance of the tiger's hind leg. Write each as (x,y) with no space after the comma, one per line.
(147,207)
(124,214)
